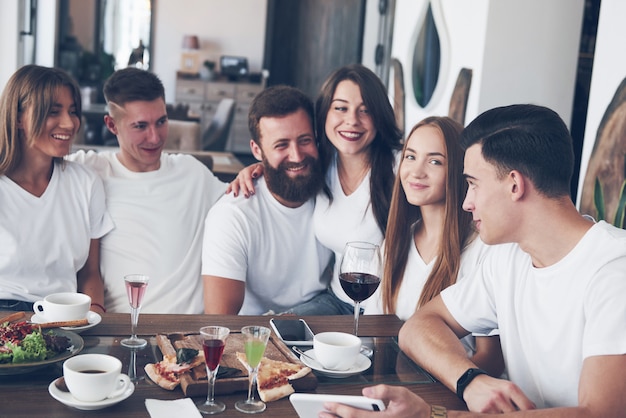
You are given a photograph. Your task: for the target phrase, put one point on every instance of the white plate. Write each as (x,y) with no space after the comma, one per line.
(362,363)
(67,398)
(94,319)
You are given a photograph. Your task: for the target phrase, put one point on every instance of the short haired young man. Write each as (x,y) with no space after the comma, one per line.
(260,254)
(555,288)
(158,201)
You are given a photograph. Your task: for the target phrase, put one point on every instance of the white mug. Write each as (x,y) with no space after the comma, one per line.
(336,350)
(94,377)
(66,306)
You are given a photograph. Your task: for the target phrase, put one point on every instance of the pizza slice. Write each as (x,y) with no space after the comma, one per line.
(274,377)
(168,371)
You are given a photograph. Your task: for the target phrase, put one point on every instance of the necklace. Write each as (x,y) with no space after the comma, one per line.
(349,183)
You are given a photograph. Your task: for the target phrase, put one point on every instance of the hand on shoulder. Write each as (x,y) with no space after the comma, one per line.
(244,182)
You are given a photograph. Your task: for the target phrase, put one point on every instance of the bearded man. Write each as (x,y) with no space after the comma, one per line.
(260,254)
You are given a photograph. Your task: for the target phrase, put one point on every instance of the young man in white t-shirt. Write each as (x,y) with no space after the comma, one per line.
(158,201)
(260,254)
(555,288)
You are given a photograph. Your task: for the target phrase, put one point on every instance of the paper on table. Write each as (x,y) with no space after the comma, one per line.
(177,408)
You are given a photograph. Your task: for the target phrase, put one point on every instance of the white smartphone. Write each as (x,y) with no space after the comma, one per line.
(292,331)
(309,405)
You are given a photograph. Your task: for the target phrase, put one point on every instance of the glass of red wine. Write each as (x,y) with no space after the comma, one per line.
(213,343)
(359,273)
(136,285)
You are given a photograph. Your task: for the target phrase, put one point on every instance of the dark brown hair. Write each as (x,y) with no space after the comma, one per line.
(388,137)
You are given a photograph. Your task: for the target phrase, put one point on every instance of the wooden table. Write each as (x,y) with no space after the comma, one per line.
(29,392)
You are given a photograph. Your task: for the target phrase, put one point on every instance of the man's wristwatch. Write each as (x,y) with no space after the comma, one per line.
(437,411)
(465,379)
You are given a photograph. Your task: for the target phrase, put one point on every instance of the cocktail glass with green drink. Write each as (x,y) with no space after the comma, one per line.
(255,341)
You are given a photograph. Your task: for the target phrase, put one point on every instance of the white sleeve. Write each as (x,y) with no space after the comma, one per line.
(226,242)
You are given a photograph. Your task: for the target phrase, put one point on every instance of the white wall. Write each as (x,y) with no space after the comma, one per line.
(609,69)
(8,39)
(225,27)
(519,51)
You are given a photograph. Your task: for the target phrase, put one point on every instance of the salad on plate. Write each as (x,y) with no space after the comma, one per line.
(23,342)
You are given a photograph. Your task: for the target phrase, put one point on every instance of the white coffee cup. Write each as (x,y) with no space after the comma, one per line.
(66,306)
(336,350)
(94,377)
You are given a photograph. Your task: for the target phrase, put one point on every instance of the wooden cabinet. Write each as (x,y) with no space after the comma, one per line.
(203,97)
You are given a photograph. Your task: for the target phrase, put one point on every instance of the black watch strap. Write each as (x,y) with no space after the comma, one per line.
(465,379)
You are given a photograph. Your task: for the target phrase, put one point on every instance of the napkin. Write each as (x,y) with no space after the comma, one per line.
(177,408)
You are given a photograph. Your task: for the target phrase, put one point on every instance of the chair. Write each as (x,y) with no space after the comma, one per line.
(177,111)
(216,134)
(183,135)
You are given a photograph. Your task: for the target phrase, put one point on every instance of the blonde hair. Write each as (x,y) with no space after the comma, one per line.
(30,87)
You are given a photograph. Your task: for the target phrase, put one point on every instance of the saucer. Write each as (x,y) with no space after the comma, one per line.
(94,319)
(67,398)
(362,363)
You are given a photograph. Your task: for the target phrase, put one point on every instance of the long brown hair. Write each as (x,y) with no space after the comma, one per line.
(35,87)
(457,227)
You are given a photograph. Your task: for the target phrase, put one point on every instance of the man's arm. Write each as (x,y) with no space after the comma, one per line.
(431,338)
(89,279)
(488,355)
(222,295)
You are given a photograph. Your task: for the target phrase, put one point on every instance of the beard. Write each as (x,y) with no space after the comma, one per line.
(297,189)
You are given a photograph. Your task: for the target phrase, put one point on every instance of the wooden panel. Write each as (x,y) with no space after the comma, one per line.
(189,90)
(308,39)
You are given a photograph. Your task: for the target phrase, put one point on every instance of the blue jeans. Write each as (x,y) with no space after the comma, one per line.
(324,303)
(15,305)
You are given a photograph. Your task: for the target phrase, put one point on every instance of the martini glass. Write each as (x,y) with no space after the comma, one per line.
(135,288)
(359,274)
(213,343)
(255,341)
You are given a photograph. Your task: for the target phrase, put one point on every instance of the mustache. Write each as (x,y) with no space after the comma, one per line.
(307,161)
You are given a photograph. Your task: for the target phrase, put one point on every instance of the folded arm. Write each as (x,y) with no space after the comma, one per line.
(89,279)
(223,296)
(488,355)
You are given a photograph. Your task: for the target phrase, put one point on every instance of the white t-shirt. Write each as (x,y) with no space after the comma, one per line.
(159,217)
(415,274)
(348,218)
(550,318)
(270,247)
(44,241)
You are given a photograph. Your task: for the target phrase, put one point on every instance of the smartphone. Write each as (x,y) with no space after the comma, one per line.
(292,331)
(309,405)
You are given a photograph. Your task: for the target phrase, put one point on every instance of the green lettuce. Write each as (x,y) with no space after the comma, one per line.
(32,348)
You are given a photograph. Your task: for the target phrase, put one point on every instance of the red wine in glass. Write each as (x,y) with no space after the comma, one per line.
(213,343)
(359,273)
(359,286)
(135,291)
(213,350)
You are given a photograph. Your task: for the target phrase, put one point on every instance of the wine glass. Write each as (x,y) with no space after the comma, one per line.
(359,273)
(135,288)
(255,341)
(213,343)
